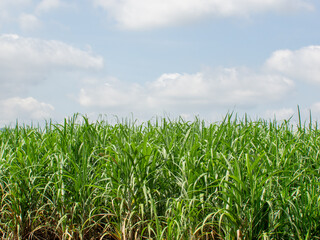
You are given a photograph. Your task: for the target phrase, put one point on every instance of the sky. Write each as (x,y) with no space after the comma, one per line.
(158,58)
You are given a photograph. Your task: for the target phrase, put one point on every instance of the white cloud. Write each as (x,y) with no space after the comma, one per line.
(29,22)
(303,64)
(187,93)
(47,5)
(141,14)
(24,109)
(25,61)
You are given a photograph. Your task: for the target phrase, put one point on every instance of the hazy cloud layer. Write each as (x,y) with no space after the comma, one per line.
(29,22)
(315,107)
(27,13)
(142,14)
(5,5)
(26,61)
(9,7)
(302,64)
(48,5)
(23,109)
(110,93)
(280,114)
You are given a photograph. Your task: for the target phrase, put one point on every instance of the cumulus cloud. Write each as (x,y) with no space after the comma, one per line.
(25,61)
(203,91)
(23,109)
(141,14)
(224,86)
(44,53)
(303,64)
(197,92)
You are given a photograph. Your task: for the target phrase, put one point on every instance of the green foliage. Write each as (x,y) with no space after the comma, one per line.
(237,179)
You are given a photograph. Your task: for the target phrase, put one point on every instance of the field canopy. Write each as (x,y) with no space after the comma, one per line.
(160,180)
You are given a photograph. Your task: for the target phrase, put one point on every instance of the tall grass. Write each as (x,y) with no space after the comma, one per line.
(237,179)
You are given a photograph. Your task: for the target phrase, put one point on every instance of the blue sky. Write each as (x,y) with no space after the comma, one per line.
(158,57)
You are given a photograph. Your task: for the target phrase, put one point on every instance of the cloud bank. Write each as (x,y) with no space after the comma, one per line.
(196,93)
(185,93)
(145,14)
